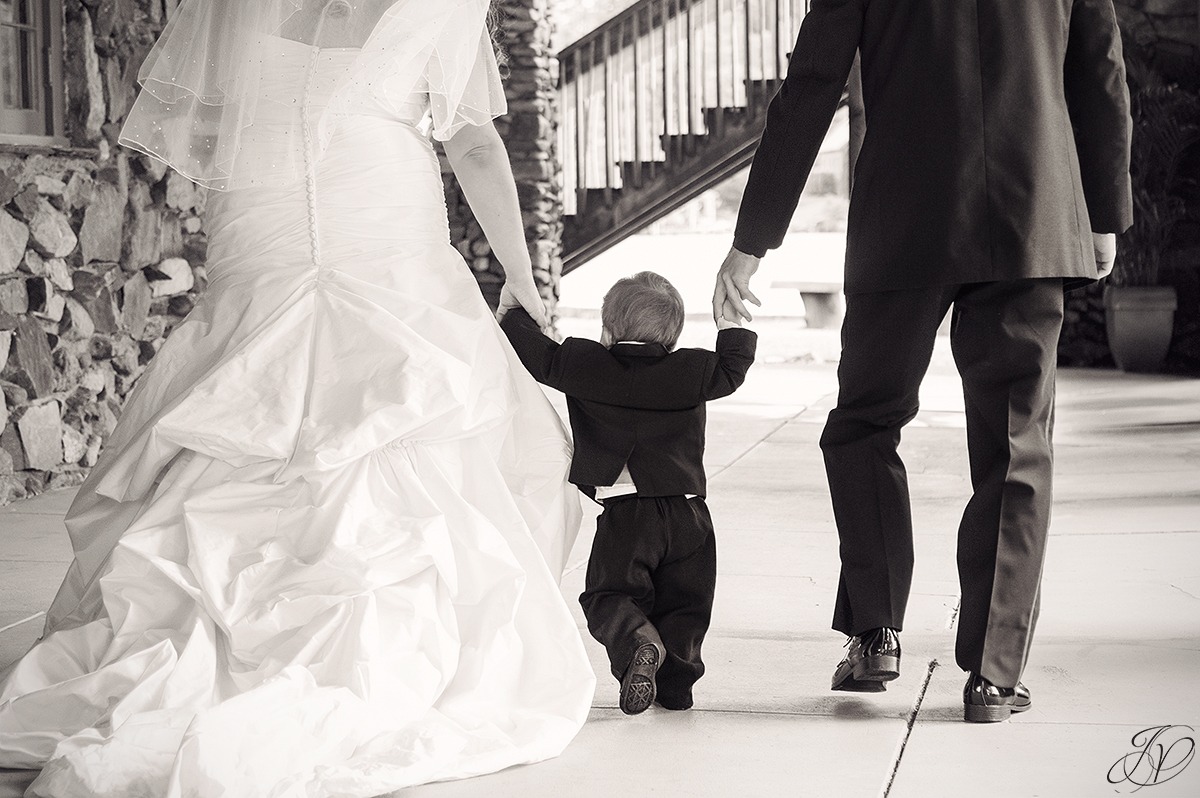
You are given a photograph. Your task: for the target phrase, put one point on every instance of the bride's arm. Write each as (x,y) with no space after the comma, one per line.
(480,162)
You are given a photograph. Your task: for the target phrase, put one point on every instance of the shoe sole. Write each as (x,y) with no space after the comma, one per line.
(852,685)
(637,695)
(638,688)
(877,669)
(977,713)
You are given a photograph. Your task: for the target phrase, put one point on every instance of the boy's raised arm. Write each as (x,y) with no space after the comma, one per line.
(735,354)
(536,350)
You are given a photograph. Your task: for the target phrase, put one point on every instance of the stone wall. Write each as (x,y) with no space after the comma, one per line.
(529,130)
(101,253)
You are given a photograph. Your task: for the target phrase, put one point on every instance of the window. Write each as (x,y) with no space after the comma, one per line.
(31,85)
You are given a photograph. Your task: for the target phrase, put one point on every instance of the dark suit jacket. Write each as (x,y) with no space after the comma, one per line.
(997,138)
(635,404)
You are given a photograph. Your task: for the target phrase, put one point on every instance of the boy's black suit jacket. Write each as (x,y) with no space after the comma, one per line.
(997,138)
(635,404)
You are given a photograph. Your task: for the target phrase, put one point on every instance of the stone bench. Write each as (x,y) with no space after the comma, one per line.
(824,304)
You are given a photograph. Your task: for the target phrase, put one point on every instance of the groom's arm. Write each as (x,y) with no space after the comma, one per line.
(797,121)
(1098,101)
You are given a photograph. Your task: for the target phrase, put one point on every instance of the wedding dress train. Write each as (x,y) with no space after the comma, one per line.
(320,554)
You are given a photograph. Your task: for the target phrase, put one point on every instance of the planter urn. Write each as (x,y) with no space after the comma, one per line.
(1139,320)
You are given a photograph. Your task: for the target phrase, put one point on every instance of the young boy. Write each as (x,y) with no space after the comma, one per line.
(637,414)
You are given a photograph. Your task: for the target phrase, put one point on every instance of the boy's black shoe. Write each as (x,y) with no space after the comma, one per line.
(674,704)
(637,687)
(873,656)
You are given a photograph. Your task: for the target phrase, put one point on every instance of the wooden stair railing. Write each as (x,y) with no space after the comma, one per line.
(660,103)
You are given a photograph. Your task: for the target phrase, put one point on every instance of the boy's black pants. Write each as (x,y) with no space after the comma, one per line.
(651,576)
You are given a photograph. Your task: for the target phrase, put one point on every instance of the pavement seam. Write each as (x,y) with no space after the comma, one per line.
(912,721)
(33,617)
(755,445)
(1127,534)
(772,713)
(1184,592)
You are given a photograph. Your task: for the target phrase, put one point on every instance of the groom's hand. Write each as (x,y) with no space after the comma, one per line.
(733,286)
(1105,246)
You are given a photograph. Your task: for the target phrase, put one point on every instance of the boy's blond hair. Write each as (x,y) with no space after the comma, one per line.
(645,308)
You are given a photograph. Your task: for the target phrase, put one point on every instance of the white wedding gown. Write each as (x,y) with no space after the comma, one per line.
(320,554)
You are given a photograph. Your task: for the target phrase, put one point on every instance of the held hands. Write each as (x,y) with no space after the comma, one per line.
(522,293)
(1105,246)
(729,317)
(733,289)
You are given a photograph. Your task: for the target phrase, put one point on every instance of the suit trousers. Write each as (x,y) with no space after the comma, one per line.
(1004,338)
(651,578)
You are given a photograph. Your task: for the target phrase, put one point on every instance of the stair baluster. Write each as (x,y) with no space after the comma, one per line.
(659,104)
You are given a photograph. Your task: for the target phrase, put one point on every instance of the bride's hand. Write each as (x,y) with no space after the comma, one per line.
(522,294)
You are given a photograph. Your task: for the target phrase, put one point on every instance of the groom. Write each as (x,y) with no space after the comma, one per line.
(993,173)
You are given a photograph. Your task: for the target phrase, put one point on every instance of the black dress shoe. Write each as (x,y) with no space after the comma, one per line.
(637,686)
(984,702)
(873,658)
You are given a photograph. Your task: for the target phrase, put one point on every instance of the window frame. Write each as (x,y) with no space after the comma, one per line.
(44,124)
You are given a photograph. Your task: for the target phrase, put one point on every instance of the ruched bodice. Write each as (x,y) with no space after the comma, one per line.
(333,210)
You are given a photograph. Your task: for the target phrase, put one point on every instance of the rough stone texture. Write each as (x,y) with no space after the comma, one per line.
(103,224)
(45,302)
(77,322)
(1084,340)
(40,429)
(9,188)
(14,298)
(74,445)
(58,274)
(173,276)
(77,226)
(10,441)
(181,192)
(31,364)
(51,232)
(13,237)
(135,305)
(145,239)
(50,186)
(103,312)
(85,103)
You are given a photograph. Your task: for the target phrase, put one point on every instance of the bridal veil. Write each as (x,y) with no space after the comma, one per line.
(202,82)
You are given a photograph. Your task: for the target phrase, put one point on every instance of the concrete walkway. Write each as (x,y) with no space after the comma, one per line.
(1117,651)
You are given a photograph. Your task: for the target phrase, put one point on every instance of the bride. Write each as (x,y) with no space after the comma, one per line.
(320,553)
